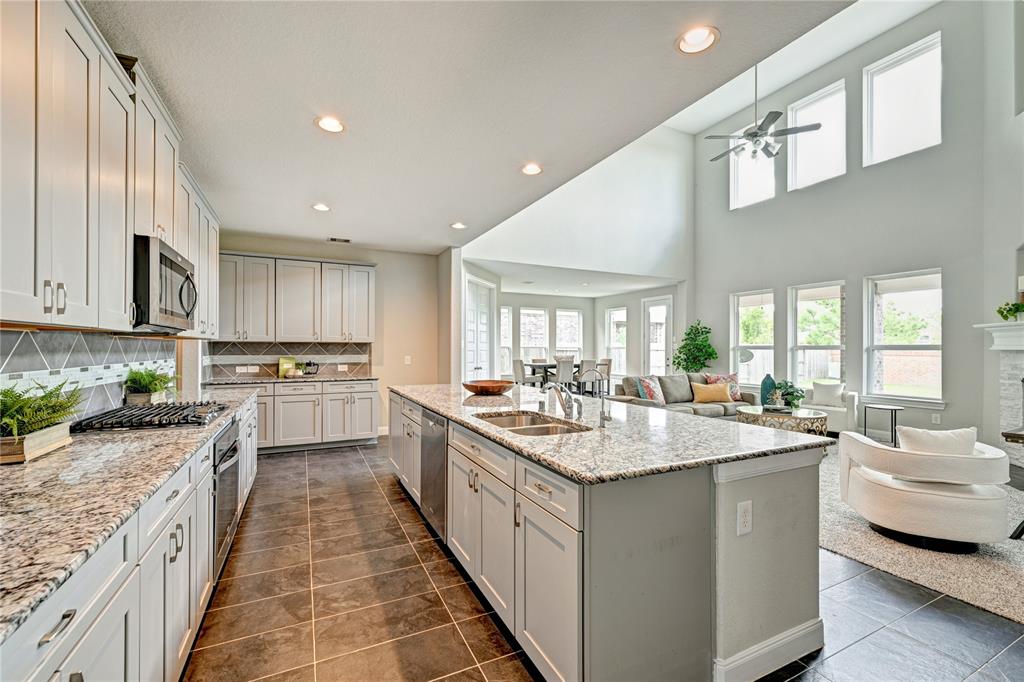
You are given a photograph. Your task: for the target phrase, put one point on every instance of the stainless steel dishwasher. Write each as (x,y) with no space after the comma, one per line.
(434,470)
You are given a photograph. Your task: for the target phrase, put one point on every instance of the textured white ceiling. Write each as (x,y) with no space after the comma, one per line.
(443,101)
(552,281)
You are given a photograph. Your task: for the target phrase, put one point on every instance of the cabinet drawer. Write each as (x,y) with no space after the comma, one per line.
(202,461)
(67,613)
(551,492)
(411,410)
(158,510)
(498,461)
(306,388)
(350,386)
(263,389)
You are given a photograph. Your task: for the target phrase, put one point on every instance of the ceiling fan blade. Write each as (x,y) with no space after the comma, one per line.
(727,152)
(768,121)
(797,129)
(723,137)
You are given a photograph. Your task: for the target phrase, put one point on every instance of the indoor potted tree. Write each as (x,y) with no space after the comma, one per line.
(34,422)
(695,353)
(146,386)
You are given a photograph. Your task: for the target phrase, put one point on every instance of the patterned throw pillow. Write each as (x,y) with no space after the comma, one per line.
(649,388)
(731,379)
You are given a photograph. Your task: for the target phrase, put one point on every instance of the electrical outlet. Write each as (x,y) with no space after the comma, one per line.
(342,368)
(744,517)
(254,369)
(936,419)
(408,359)
(241,369)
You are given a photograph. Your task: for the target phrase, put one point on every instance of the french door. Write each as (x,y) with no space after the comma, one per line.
(657,335)
(477,350)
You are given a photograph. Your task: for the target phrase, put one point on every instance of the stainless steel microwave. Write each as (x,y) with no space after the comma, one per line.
(165,294)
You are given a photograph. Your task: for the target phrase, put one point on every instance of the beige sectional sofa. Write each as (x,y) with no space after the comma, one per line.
(679,396)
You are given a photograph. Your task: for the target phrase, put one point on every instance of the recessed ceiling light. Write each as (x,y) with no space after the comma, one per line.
(527,281)
(698,39)
(584,284)
(458,226)
(320,206)
(330,124)
(532,169)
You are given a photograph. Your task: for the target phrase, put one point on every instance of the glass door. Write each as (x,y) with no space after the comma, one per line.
(477,350)
(657,335)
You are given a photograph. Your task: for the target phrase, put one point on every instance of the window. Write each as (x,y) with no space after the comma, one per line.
(751,178)
(904,335)
(903,101)
(820,154)
(753,336)
(505,339)
(533,333)
(817,337)
(569,333)
(615,338)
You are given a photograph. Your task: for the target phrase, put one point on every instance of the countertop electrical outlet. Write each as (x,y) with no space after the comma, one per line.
(744,517)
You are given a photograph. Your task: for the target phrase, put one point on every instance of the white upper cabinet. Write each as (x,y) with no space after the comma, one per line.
(156,167)
(184,197)
(194,234)
(334,289)
(213,268)
(230,290)
(298,300)
(359,315)
(259,292)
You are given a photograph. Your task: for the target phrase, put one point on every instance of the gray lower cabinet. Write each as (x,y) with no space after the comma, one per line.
(203,556)
(297,420)
(395,433)
(265,422)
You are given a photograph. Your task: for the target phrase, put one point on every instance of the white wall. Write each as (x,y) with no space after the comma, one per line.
(922,210)
(633,303)
(449,315)
(630,213)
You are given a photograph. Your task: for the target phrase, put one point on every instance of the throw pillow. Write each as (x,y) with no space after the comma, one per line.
(951,442)
(649,388)
(711,393)
(730,379)
(828,394)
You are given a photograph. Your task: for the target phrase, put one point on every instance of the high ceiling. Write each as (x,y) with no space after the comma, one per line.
(443,101)
(527,278)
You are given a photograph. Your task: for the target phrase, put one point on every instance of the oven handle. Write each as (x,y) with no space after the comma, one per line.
(231,462)
(195,295)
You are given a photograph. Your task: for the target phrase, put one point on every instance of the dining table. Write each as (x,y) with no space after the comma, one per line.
(546,368)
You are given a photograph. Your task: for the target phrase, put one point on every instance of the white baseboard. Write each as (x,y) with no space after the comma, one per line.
(771,654)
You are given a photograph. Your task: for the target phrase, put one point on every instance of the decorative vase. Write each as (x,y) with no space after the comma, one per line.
(767,388)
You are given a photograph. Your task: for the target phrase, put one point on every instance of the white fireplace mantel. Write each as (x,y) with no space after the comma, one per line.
(1005,335)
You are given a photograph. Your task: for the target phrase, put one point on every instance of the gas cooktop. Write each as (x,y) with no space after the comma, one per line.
(151,416)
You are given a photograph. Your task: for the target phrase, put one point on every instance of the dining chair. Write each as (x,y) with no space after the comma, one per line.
(604,366)
(520,375)
(586,376)
(564,373)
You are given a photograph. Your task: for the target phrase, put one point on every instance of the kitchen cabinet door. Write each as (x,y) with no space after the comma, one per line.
(365,414)
(495,574)
(333,294)
(298,300)
(463,511)
(213,260)
(202,556)
(25,256)
(230,291)
(396,434)
(548,592)
(337,416)
(165,171)
(415,458)
(180,590)
(258,299)
(116,137)
(297,420)
(359,314)
(203,273)
(146,114)
(109,649)
(265,422)
(67,153)
(184,197)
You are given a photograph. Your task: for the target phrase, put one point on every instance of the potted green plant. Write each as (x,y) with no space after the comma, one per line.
(34,422)
(1010,311)
(791,393)
(695,352)
(146,386)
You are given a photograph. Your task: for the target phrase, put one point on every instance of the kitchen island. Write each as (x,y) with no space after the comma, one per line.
(657,546)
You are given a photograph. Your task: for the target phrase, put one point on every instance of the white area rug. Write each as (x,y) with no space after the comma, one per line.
(992,579)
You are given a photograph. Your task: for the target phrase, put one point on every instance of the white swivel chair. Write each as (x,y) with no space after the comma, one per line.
(933,496)
(521,377)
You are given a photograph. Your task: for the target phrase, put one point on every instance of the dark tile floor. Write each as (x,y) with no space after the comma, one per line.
(335,576)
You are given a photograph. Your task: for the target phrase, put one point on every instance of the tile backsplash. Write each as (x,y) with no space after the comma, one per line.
(225,357)
(97,362)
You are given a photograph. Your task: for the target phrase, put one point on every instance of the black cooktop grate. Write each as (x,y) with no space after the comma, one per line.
(151,416)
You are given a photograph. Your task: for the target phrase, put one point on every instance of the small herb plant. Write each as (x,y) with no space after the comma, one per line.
(147,381)
(25,412)
(791,393)
(1010,311)
(695,352)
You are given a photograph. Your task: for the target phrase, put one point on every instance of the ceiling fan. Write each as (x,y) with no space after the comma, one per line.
(760,136)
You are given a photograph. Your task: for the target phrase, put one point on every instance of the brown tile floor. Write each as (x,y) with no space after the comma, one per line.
(335,576)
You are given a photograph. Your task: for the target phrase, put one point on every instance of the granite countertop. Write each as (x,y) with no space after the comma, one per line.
(56,511)
(234,381)
(639,441)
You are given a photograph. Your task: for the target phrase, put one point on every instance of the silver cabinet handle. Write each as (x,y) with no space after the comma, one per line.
(238,334)
(245,334)
(61,626)
(76,677)
(174,547)
(178,528)
(133,313)
(61,308)
(172,495)
(206,458)
(470,477)
(543,488)
(47,289)
(518,515)
(476,481)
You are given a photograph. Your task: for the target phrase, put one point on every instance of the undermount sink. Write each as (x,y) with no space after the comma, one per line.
(532,424)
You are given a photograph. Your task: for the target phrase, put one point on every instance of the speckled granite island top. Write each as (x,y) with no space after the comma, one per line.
(56,511)
(243,380)
(639,441)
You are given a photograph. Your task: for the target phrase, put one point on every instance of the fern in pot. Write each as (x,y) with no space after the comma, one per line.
(36,421)
(147,386)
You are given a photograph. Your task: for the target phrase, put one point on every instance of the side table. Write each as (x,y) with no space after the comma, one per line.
(892,410)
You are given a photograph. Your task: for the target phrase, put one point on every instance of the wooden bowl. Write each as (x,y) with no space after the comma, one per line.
(488,386)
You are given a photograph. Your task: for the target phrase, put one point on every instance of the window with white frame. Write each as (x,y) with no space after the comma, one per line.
(904,335)
(505,339)
(751,177)
(615,339)
(569,333)
(903,101)
(533,334)
(817,337)
(753,336)
(819,154)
